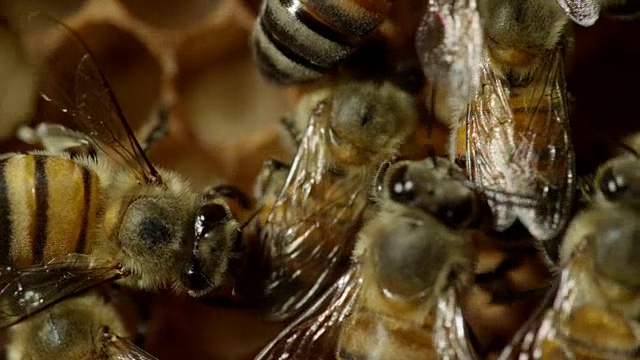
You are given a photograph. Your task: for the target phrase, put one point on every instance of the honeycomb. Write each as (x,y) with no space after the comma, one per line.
(193,56)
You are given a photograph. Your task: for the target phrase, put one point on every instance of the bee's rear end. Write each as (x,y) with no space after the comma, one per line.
(48,208)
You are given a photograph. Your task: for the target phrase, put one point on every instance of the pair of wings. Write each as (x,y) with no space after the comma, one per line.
(86,98)
(310,231)
(519,149)
(24,292)
(315,333)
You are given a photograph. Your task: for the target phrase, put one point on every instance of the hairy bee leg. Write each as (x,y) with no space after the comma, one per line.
(160,131)
(289,125)
(56,138)
(231,192)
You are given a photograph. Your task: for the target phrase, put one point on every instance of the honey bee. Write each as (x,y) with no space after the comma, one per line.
(302,40)
(514,135)
(594,312)
(399,298)
(308,228)
(82,327)
(68,223)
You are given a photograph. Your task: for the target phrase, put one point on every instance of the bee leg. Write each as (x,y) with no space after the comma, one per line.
(159,131)
(289,125)
(56,138)
(231,192)
(378,180)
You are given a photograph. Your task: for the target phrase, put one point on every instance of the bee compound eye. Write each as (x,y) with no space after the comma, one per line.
(213,213)
(193,277)
(612,185)
(208,217)
(400,188)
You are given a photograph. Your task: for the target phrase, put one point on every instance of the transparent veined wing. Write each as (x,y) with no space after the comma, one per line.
(519,150)
(86,98)
(449,333)
(314,334)
(29,290)
(310,231)
(489,141)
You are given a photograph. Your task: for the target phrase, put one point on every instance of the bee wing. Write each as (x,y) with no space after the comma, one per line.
(450,45)
(490,139)
(25,291)
(315,332)
(122,349)
(543,162)
(449,331)
(582,12)
(86,97)
(311,228)
(520,149)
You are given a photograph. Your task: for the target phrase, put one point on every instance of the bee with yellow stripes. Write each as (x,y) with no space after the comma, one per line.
(69,223)
(413,258)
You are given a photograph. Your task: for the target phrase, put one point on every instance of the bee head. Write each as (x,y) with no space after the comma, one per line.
(433,186)
(216,232)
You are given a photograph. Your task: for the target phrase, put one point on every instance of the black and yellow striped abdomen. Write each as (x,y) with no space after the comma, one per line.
(48,208)
(300,40)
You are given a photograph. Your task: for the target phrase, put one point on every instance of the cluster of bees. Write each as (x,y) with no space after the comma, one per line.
(365,245)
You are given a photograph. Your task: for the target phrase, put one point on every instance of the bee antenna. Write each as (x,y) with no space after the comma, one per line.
(522,199)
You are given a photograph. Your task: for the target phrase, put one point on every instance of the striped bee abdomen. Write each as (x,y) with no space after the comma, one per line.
(300,40)
(49,207)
